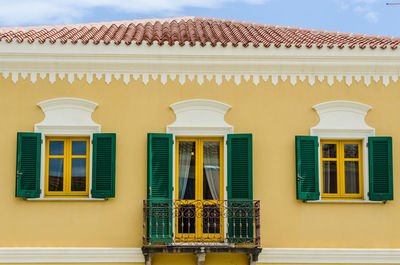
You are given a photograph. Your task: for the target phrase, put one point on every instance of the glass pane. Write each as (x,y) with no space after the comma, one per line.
(187,170)
(56,174)
(78,174)
(350,150)
(351,176)
(211,219)
(330,176)
(56,148)
(211,171)
(329,150)
(78,148)
(187,219)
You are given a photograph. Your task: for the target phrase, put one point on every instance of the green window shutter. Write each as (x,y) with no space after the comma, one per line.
(240,166)
(240,188)
(103,166)
(159,187)
(28,165)
(307,176)
(380,168)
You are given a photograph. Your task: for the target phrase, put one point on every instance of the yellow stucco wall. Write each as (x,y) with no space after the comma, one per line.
(274,114)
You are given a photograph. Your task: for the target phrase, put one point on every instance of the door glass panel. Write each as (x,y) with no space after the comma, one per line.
(78,174)
(211,171)
(186,219)
(330,176)
(350,150)
(351,177)
(78,148)
(56,174)
(187,170)
(211,219)
(56,148)
(329,150)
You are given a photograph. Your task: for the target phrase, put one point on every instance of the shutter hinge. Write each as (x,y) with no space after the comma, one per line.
(41,141)
(173,142)
(367,144)
(92,141)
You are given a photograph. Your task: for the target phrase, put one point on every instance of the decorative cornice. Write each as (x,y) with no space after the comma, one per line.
(67,115)
(200,117)
(341,119)
(216,64)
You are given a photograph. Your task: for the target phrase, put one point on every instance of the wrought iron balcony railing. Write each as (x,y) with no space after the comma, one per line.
(195,222)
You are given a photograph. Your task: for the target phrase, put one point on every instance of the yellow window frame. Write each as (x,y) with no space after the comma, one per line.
(199,176)
(67,167)
(340,162)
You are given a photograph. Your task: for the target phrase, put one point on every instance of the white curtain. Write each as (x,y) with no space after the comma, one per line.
(211,167)
(185,156)
(351,175)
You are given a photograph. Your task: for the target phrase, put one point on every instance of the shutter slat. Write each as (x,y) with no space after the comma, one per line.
(103,177)
(159,187)
(307,176)
(380,168)
(28,165)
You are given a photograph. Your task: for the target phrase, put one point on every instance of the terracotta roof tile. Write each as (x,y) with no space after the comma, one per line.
(194,31)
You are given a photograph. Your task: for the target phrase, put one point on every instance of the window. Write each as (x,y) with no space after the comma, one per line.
(66,156)
(341,169)
(199,178)
(67,167)
(343,159)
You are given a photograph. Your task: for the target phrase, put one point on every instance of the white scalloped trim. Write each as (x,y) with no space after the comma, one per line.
(218,78)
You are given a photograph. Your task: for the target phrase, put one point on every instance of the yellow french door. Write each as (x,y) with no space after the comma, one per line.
(199,189)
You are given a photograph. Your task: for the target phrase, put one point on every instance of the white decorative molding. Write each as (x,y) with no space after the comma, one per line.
(200,117)
(67,116)
(342,119)
(52,62)
(70,255)
(329,256)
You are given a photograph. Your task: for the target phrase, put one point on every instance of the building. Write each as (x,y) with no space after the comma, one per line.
(198,141)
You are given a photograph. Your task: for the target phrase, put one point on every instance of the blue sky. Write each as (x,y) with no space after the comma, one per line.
(357,16)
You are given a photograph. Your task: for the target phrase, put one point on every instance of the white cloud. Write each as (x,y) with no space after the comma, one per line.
(365,1)
(364,8)
(342,4)
(372,16)
(23,12)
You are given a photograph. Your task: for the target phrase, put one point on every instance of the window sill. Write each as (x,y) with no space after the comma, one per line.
(345,201)
(65,199)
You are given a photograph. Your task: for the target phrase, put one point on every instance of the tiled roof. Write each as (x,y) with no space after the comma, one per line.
(194,31)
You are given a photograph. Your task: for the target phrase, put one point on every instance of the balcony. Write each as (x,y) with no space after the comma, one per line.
(201,227)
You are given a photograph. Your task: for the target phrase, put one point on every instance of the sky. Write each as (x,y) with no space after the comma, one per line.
(372,17)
